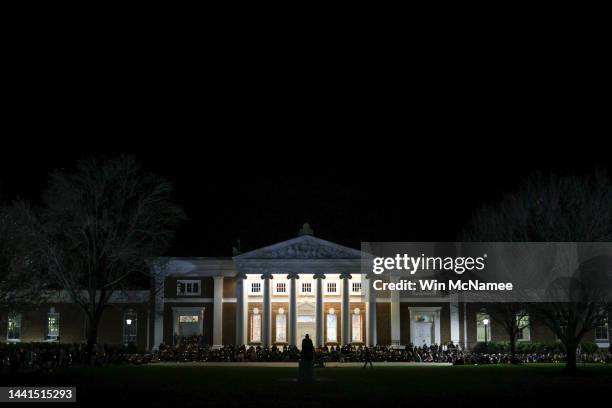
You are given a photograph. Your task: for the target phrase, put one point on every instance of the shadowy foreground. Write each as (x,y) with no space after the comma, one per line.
(530,385)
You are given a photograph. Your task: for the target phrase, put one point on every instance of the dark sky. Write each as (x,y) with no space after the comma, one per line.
(257,142)
(261,191)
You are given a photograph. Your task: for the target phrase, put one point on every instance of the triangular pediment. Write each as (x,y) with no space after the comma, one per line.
(303,247)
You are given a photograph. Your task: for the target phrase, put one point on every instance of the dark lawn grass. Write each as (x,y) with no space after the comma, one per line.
(492,386)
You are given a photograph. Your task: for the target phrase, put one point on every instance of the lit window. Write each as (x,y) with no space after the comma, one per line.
(188,288)
(130,331)
(13,332)
(356,287)
(483,331)
(332,326)
(356,326)
(256,287)
(256,326)
(331,287)
(306,287)
(53,325)
(602,332)
(523,326)
(281,288)
(281,326)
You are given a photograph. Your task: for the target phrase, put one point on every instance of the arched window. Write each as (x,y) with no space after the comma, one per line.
(332,326)
(256,326)
(281,326)
(356,326)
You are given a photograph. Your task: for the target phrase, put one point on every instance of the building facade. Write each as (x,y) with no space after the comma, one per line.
(275,296)
(126,320)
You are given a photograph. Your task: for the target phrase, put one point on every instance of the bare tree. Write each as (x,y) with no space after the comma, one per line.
(587,305)
(21,282)
(103,225)
(550,208)
(513,317)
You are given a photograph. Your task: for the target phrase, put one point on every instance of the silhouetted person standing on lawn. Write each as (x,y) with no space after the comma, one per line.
(306,365)
(307,349)
(367,357)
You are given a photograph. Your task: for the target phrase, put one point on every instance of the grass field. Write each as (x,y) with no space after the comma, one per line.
(491,386)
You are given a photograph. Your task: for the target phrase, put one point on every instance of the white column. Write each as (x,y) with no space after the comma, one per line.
(293,308)
(437,338)
(454,319)
(267,309)
(158,329)
(465,335)
(218,312)
(240,339)
(148,329)
(319,309)
(371,312)
(346,298)
(395,313)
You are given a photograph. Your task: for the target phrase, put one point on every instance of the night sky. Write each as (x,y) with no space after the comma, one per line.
(254,153)
(352,192)
(259,137)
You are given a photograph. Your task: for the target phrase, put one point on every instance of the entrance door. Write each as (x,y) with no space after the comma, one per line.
(306,323)
(422,333)
(188,321)
(189,325)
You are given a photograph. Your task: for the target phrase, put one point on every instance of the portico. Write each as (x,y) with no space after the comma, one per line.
(306,285)
(325,307)
(316,286)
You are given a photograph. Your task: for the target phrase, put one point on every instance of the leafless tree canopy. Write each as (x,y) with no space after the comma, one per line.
(550,208)
(102,225)
(21,282)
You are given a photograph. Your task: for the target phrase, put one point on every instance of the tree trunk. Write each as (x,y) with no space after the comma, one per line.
(92,338)
(513,358)
(570,362)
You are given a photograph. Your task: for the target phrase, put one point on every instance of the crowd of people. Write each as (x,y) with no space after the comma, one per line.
(50,357)
(191,349)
